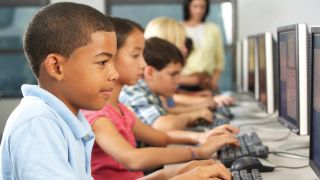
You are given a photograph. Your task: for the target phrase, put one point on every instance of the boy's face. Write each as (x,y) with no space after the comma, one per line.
(166,80)
(89,74)
(130,62)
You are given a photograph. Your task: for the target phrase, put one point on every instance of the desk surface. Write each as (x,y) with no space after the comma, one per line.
(277,138)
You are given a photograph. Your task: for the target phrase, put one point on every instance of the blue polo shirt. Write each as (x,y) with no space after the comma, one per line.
(43,139)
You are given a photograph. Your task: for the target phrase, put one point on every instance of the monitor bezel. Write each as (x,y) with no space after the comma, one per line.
(239,69)
(296,128)
(269,43)
(316,169)
(244,58)
(255,93)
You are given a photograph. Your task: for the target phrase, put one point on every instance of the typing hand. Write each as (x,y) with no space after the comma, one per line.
(220,130)
(214,171)
(222,100)
(193,164)
(226,128)
(205,114)
(214,143)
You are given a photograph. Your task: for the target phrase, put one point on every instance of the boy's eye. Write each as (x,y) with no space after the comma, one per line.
(174,74)
(102,62)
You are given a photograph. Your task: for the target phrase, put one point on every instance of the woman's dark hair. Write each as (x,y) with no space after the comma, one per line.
(186,10)
(123,28)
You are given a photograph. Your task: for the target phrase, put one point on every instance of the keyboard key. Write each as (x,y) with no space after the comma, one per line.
(245,175)
(256,174)
(235,175)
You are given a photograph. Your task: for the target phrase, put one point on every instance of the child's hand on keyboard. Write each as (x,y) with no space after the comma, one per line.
(220,130)
(225,128)
(214,171)
(193,164)
(214,143)
(222,100)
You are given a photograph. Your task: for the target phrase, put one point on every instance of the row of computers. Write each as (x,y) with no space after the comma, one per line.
(283,76)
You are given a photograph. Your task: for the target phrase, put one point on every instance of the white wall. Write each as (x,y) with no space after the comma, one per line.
(98,4)
(257,16)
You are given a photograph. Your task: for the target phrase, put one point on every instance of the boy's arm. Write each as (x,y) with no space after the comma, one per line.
(154,137)
(39,151)
(190,80)
(181,121)
(113,143)
(192,170)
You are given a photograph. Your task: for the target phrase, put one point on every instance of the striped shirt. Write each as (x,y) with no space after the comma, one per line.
(146,105)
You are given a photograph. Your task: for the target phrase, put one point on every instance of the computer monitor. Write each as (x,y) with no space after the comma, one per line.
(294,66)
(245,66)
(239,73)
(266,71)
(315,115)
(253,82)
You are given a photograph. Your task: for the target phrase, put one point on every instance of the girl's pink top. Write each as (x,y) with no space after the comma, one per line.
(104,166)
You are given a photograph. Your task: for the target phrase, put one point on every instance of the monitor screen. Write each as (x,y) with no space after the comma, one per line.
(294,76)
(288,107)
(239,65)
(251,65)
(262,70)
(315,117)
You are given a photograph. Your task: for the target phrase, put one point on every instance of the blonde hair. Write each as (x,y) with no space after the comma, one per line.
(168,29)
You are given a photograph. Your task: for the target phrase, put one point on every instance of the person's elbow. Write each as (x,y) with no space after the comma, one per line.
(133,163)
(165,124)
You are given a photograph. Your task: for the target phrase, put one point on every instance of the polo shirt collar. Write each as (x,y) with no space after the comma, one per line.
(78,124)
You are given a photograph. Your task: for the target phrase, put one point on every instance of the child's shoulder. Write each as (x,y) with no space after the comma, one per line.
(29,110)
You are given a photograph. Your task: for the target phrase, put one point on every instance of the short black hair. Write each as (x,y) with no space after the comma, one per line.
(186,10)
(123,28)
(61,28)
(158,53)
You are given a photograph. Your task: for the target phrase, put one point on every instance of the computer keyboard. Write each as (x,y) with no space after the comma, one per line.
(250,145)
(205,126)
(225,111)
(245,175)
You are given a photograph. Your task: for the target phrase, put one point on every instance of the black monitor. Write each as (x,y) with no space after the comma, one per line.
(266,71)
(244,58)
(253,86)
(294,66)
(315,115)
(239,70)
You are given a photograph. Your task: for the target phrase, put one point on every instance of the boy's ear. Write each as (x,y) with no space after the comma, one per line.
(53,65)
(149,72)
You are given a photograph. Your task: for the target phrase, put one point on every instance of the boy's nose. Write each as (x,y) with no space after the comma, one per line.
(114,75)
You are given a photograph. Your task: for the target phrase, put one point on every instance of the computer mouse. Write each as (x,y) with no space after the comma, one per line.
(250,163)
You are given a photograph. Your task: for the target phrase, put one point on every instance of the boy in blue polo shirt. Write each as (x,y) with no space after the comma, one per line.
(70,48)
